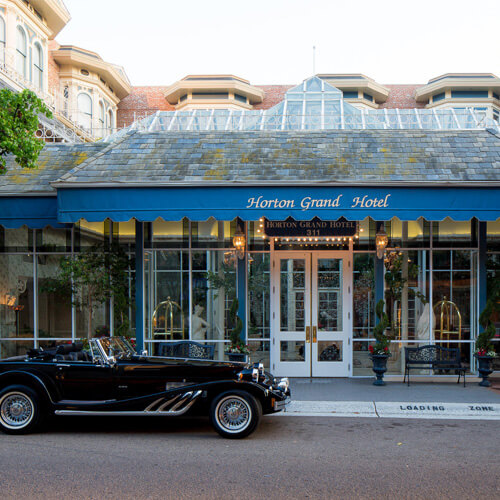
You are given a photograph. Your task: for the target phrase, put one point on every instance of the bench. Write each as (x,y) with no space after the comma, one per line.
(435,357)
(186,349)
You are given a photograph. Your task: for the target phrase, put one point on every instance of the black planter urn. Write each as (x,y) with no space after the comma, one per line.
(485,368)
(379,367)
(236,356)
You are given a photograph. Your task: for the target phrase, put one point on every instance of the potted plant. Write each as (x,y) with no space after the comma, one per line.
(237,350)
(485,352)
(379,352)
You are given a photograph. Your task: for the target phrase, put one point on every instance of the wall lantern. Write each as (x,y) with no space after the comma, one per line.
(10,301)
(381,242)
(239,243)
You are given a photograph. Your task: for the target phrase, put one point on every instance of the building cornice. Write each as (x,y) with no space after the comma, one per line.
(75,56)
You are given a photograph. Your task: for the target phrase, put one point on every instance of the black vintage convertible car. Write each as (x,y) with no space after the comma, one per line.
(109,378)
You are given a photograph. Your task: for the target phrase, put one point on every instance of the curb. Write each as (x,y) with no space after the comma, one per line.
(384,409)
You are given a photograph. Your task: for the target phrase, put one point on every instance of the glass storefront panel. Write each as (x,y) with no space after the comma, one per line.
(212,234)
(259,302)
(493,277)
(188,299)
(213,290)
(407,294)
(53,240)
(493,236)
(16,240)
(16,297)
(169,295)
(363,295)
(54,311)
(10,348)
(260,352)
(170,234)
(451,234)
(408,234)
(88,234)
(124,233)
(454,294)
(256,237)
(366,231)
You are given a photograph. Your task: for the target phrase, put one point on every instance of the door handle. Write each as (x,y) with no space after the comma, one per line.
(315,334)
(308,334)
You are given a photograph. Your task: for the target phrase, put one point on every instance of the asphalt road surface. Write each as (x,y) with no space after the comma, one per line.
(290,457)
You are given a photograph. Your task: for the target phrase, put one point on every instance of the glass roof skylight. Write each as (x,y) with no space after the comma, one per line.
(312,105)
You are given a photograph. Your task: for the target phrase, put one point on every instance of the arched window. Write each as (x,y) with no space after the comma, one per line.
(101,119)
(2,40)
(21,51)
(110,121)
(85,111)
(38,66)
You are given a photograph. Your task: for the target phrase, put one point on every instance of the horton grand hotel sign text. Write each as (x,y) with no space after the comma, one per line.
(307,202)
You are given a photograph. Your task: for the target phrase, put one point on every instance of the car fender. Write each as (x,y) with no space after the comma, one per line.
(31,379)
(256,390)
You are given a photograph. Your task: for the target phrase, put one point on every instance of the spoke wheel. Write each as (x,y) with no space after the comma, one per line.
(19,410)
(235,414)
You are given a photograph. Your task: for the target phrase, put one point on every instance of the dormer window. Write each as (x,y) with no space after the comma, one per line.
(213,91)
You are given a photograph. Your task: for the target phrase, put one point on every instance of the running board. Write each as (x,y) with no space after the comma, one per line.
(178,405)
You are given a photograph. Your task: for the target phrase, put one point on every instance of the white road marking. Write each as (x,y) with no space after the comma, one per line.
(425,410)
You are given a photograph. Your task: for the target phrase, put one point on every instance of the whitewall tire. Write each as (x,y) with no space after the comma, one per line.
(235,414)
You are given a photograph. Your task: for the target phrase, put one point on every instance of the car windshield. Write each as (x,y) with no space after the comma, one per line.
(116,347)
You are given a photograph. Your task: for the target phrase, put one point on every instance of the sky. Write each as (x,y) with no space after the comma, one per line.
(271,41)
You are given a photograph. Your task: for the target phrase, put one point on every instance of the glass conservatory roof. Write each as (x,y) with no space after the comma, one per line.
(312,105)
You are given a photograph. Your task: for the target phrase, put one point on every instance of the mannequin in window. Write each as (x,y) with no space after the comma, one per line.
(198,324)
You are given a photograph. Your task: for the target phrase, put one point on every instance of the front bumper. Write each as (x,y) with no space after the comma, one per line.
(281,388)
(280,405)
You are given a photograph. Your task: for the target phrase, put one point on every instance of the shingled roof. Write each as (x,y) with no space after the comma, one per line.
(53,162)
(267,157)
(333,156)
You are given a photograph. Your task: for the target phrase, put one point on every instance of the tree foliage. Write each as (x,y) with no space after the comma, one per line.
(18,124)
(90,278)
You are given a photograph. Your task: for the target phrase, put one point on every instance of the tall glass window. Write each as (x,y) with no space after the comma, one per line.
(2,40)
(493,278)
(190,283)
(101,119)
(38,65)
(21,51)
(110,121)
(259,307)
(85,111)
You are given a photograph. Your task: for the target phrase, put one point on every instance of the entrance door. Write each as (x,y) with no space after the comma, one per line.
(311,304)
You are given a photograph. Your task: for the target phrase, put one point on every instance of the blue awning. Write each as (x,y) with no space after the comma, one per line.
(34,211)
(277,203)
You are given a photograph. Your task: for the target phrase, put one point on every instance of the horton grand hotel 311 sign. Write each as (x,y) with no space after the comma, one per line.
(315,227)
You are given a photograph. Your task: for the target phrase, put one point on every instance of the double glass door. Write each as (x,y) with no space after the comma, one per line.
(311,302)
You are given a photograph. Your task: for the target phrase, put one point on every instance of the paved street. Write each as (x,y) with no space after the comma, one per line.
(291,457)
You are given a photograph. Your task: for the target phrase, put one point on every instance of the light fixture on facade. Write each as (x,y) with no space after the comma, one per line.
(10,301)
(239,243)
(381,242)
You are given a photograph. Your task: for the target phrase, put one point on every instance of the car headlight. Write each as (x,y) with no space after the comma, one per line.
(261,369)
(255,374)
(283,384)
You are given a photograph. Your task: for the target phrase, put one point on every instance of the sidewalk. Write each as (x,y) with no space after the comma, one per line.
(360,398)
